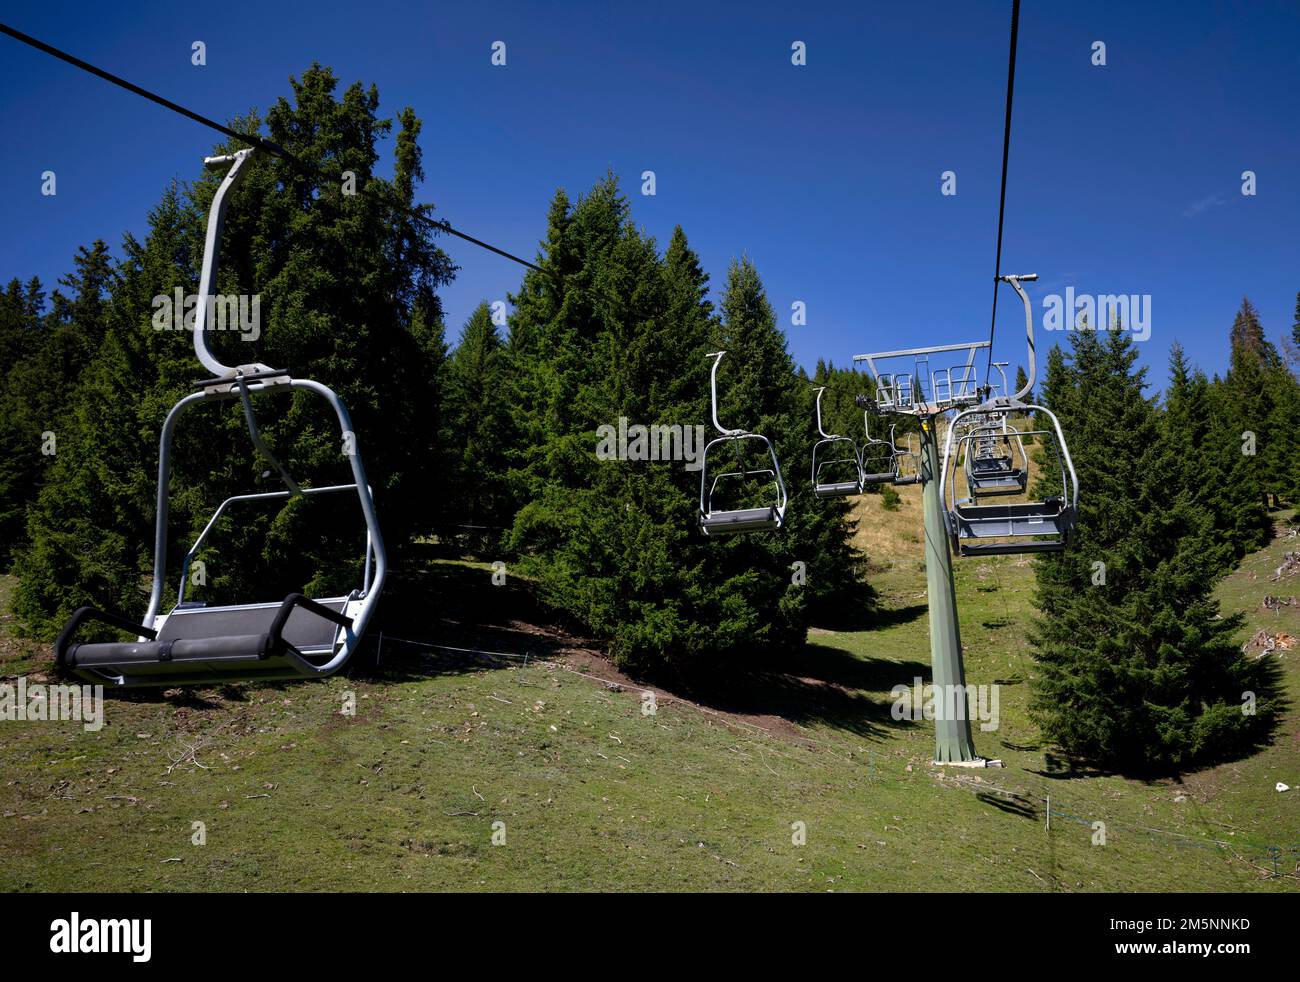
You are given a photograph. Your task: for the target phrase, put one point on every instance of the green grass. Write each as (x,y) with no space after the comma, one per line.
(596,795)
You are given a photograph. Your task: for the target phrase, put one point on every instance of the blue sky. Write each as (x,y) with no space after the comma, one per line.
(1123,179)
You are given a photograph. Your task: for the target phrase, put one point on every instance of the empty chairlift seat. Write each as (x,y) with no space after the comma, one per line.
(195,643)
(995,460)
(836,462)
(715,519)
(977,528)
(907,466)
(208,644)
(879,457)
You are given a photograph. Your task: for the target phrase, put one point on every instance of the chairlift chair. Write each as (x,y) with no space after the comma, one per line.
(995,462)
(194,643)
(1020,527)
(879,457)
(910,474)
(830,487)
(718,521)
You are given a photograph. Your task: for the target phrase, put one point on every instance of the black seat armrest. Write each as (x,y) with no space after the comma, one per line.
(83,614)
(275,643)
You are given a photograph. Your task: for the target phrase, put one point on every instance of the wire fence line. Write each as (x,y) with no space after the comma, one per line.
(1268,851)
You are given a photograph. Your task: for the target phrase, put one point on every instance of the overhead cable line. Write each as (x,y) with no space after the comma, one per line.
(1002,198)
(257,141)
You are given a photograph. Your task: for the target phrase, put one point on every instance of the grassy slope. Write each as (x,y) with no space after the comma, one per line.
(594,795)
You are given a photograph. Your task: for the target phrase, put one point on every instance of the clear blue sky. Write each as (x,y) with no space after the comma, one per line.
(1124,178)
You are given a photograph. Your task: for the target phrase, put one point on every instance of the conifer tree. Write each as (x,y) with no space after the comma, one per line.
(23,340)
(1136,667)
(1295,327)
(51,352)
(346,287)
(1265,406)
(1208,463)
(612,336)
(477,424)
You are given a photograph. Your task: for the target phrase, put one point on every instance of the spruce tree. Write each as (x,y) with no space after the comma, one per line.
(51,352)
(477,425)
(1295,326)
(1259,390)
(1021,381)
(1208,463)
(1136,669)
(612,336)
(763,393)
(346,287)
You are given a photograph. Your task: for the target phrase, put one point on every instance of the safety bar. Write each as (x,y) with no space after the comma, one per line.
(260,496)
(83,614)
(275,643)
(256,435)
(257,376)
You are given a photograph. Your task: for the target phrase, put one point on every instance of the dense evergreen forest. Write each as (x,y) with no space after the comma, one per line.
(489,441)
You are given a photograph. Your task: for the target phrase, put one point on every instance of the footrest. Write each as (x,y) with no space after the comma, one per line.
(133,655)
(1010,548)
(837,489)
(742,520)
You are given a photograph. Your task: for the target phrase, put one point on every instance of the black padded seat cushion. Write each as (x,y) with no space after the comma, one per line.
(1009,548)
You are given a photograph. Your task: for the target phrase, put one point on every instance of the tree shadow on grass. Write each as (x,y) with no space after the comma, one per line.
(820,685)
(826,663)
(794,699)
(894,616)
(433,609)
(871,618)
(439,606)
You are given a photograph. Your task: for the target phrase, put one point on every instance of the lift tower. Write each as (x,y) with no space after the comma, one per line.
(970,526)
(915,389)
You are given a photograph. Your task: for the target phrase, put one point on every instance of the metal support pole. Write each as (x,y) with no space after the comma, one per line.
(952,735)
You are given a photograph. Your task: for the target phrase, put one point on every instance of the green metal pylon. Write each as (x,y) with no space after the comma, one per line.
(952,736)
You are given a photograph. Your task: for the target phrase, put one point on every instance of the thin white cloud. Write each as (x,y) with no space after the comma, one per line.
(1202,205)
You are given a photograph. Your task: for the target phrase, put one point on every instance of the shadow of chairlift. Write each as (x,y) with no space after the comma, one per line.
(716,521)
